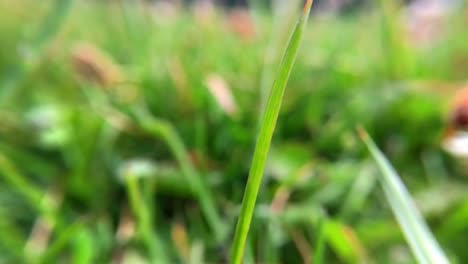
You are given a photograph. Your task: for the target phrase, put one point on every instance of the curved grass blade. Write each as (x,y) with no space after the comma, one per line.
(144,218)
(417,233)
(264,138)
(319,249)
(283,17)
(10,174)
(164,130)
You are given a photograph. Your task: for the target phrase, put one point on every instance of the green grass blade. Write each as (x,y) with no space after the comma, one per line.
(19,183)
(282,20)
(422,242)
(144,218)
(54,21)
(264,138)
(319,249)
(164,130)
(61,241)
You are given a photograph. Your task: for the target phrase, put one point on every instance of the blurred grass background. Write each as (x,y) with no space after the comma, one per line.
(127,130)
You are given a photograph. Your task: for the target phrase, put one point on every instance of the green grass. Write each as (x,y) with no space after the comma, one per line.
(424,246)
(152,168)
(267,127)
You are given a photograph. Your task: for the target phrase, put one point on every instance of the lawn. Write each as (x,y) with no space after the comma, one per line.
(127,132)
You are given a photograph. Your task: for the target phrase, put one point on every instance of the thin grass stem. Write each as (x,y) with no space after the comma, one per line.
(262,147)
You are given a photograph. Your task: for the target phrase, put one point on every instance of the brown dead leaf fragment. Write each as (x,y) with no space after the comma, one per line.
(302,246)
(455,137)
(280,200)
(179,77)
(204,12)
(426,21)
(126,228)
(96,66)
(241,23)
(350,235)
(459,111)
(39,238)
(221,92)
(180,239)
(43,227)
(92,64)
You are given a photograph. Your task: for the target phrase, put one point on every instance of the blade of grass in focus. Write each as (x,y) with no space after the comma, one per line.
(283,17)
(422,242)
(264,139)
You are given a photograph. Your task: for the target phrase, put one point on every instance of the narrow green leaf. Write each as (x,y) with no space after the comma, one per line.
(264,138)
(144,218)
(84,247)
(164,130)
(417,233)
(319,249)
(61,241)
(19,183)
(48,29)
(341,241)
(54,21)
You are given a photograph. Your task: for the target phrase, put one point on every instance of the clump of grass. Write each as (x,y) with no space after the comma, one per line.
(68,139)
(264,138)
(162,129)
(144,217)
(48,29)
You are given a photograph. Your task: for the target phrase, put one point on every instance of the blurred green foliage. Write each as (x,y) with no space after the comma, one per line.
(152,168)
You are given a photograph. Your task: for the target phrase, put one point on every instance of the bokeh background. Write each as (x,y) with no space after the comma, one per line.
(127,129)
